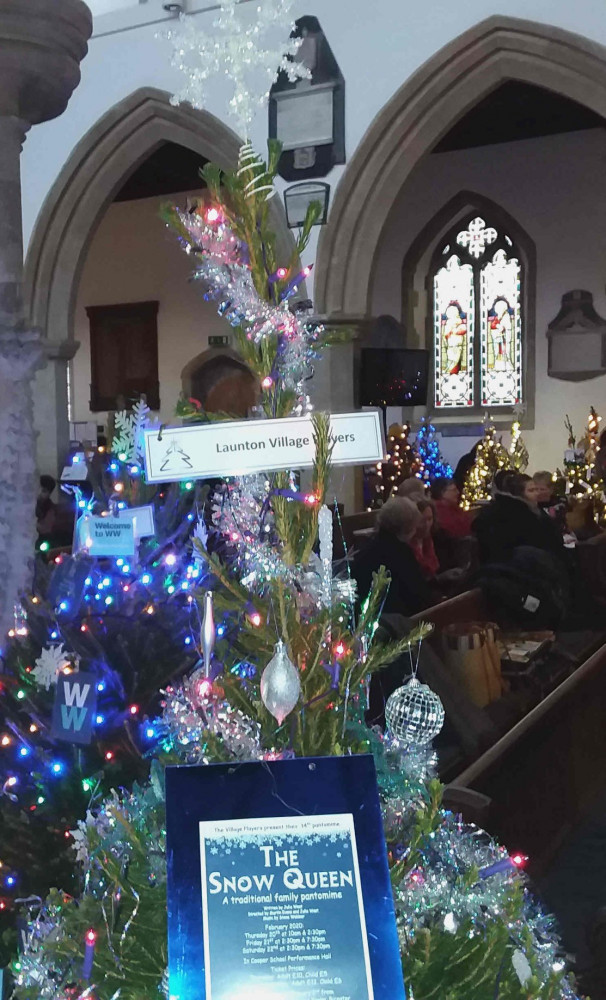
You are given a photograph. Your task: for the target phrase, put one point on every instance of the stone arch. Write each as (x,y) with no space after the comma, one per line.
(93,174)
(420,113)
(98,166)
(220,380)
(430,236)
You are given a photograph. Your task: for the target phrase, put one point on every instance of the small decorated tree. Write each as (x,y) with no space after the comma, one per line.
(401,462)
(491,457)
(428,450)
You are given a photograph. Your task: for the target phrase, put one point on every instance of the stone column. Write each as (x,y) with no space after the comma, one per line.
(41,45)
(333,389)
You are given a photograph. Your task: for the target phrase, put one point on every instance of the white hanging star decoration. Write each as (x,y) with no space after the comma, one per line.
(248,43)
(51,661)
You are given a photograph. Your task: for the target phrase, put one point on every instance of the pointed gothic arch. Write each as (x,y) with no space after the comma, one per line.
(416,118)
(95,171)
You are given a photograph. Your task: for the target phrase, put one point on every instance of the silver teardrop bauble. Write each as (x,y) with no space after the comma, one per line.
(280,684)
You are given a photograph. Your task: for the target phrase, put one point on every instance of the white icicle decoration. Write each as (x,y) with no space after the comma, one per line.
(325,535)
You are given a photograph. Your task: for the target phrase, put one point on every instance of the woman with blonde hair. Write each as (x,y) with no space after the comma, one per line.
(398,522)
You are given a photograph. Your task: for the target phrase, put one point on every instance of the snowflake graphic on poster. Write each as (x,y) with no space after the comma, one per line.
(51,661)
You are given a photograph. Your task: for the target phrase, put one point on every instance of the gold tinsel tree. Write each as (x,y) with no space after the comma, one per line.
(491,457)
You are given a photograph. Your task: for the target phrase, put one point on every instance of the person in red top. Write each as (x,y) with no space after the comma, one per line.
(423,543)
(452,519)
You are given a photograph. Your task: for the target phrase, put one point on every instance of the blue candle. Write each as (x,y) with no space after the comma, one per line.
(89,954)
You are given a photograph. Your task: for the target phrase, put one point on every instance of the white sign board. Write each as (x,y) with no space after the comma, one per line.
(238,447)
(142,519)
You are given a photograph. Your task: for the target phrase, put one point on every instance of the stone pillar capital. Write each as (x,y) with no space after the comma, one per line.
(42,43)
(60,350)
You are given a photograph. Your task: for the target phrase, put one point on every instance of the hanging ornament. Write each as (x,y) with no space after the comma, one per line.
(414,714)
(280,684)
(325,535)
(208,632)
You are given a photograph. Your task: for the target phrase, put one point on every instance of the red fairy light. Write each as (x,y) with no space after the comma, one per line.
(340,649)
(255,619)
(519,860)
(311,499)
(213,215)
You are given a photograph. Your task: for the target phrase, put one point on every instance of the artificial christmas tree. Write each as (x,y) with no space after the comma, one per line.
(114,629)
(430,457)
(491,457)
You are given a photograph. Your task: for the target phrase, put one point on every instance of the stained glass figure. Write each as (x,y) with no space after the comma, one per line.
(501,354)
(454,317)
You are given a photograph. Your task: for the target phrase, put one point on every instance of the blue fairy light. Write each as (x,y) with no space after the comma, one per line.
(145,579)
(109,600)
(150,732)
(57,767)
(101,686)
(113,466)
(221,630)
(120,562)
(24,751)
(187,640)
(100,719)
(54,634)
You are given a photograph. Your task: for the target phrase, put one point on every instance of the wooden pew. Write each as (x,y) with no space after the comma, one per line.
(540,778)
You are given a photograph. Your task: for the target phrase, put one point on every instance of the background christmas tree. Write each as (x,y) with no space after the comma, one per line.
(401,462)
(491,457)
(430,457)
(289,676)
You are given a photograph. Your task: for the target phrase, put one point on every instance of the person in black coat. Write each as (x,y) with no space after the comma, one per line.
(409,592)
(513,519)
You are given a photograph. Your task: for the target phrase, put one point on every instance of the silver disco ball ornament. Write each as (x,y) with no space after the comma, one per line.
(414,714)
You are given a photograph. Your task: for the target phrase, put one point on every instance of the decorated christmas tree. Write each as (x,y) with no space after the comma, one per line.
(287,655)
(518,452)
(90,648)
(491,457)
(428,449)
(401,462)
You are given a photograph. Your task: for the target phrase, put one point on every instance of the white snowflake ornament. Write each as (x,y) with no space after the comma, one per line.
(51,661)
(130,424)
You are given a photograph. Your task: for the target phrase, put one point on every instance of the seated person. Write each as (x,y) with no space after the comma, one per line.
(423,546)
(412,488)
(46,510)
(545,492)
(453,521)
(512,519)
(398,522)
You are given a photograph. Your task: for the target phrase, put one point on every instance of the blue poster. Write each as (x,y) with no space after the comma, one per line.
(278,884)
(75,707)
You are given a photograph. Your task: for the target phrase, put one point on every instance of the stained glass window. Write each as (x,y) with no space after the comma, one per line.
(477,286)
